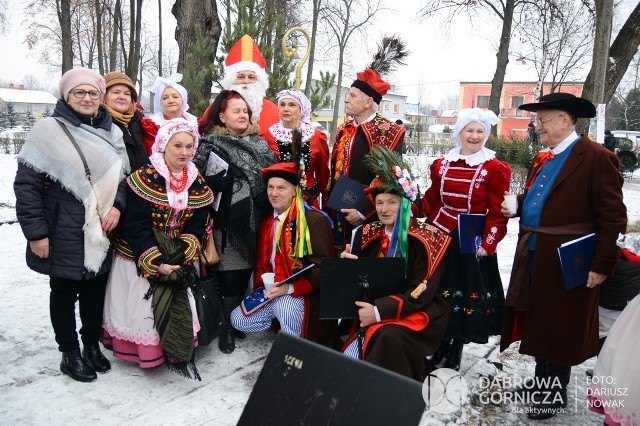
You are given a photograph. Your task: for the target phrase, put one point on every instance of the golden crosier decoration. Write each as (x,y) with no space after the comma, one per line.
(289,52)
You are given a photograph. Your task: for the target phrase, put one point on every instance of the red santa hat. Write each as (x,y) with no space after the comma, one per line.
(371,84)
(245,55)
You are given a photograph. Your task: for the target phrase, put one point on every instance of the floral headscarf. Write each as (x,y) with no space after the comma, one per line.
(176,200)
(300,99)
(169,129)
(307,129)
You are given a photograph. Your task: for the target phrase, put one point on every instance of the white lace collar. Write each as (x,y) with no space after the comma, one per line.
(485,154)
(282,134)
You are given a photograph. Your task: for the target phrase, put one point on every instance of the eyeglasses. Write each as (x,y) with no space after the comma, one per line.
(541,122)
(79,93)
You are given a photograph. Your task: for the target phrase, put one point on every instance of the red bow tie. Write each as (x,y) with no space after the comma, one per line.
(543,156)
(539,161)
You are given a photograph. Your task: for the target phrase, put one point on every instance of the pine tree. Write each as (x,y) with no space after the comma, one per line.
(28,120)
(12,117)
(319,90)
(193,76)
(4,120)
(633,115)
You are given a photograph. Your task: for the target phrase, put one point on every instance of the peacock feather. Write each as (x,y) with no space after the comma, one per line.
(391,53)
(393,175)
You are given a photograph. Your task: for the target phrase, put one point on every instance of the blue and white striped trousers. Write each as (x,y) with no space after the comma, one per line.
(287,309)
(352,350)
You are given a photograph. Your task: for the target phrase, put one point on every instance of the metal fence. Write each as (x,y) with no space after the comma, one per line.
(428,143)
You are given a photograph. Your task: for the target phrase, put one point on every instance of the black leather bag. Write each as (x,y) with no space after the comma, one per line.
(209,309)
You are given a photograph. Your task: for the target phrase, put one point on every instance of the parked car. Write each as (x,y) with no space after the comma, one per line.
(627,140)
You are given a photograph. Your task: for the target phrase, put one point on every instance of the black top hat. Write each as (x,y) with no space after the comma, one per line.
(578,107)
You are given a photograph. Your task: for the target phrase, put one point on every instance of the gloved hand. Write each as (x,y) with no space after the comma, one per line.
(183,277)
(219,182)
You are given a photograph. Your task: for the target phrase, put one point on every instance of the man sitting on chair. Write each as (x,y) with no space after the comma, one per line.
(401,329)
(289,239)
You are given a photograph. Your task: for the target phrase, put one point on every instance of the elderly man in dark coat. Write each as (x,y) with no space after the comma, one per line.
(574,188)
(363,129)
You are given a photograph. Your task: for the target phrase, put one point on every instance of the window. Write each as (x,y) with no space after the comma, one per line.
(329,102)
(483,102)
(516,101)
(396,108)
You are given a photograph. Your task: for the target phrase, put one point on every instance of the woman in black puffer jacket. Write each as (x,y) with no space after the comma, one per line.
(65,216)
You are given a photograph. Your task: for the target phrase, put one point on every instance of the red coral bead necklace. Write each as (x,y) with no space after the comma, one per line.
(177,184)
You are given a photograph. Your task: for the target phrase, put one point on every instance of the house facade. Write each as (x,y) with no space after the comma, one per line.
(513,122)
(36,102)
(413,116)
(392,107)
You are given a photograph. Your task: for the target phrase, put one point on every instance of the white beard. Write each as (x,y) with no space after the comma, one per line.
(253,94)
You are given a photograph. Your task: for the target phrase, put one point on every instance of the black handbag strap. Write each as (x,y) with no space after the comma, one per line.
(87,171)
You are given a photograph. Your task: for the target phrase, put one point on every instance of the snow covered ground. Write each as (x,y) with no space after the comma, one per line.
(34,391)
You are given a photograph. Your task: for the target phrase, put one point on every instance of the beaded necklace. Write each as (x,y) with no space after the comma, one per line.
(177,185)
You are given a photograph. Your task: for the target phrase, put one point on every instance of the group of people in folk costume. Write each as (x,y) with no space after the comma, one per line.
(114,206)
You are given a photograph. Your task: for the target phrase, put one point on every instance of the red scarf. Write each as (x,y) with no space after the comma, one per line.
(384,245)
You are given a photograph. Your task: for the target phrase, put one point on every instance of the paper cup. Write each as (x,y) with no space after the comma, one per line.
(512,203)
(268,281)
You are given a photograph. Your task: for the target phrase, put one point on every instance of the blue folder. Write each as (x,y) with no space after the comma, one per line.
(346,194)
(575,259)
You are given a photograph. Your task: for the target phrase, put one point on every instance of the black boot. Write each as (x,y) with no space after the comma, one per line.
(455,355)
(227,339)
(530,385)
(74,366)
(441,353)
(554,399)
(92,354)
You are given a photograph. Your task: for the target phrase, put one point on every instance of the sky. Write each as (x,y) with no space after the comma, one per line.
(432,64)
(438,61)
